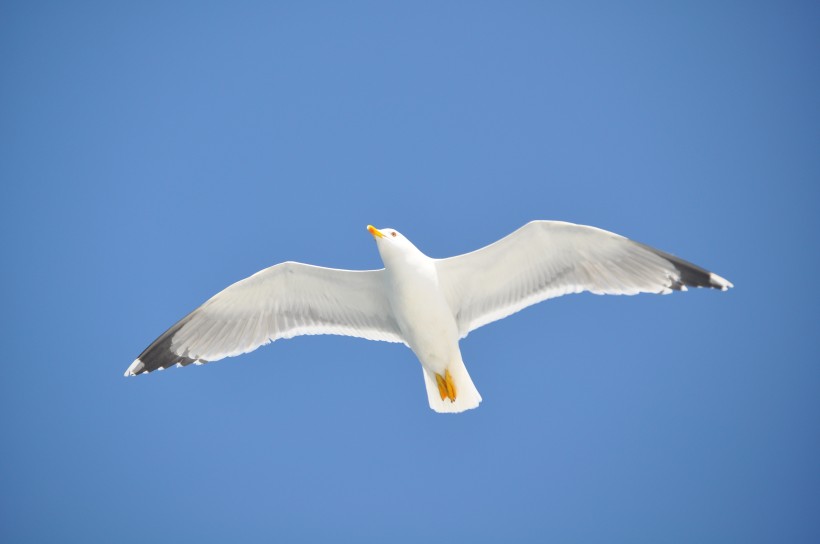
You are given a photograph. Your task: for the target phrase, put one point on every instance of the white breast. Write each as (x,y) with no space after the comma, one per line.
(422,313)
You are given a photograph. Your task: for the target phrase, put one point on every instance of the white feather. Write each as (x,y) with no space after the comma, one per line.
(283,301)
(547,259)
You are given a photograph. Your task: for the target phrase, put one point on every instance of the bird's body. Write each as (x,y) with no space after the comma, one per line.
(426,322)
(427,304)
(428,327)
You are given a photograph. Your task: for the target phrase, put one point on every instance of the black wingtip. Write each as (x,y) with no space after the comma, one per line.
(691,275)
(158,355)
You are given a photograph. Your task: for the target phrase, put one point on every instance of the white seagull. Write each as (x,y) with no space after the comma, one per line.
(426,304)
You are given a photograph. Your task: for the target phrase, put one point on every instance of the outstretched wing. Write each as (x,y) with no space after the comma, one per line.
(283,301)
(547,259)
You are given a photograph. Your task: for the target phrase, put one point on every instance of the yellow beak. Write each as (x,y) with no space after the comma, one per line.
(374,231)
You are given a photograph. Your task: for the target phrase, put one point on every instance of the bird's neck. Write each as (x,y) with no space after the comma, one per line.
(412,263)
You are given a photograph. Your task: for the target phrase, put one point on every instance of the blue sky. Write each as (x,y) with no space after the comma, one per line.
(152,154)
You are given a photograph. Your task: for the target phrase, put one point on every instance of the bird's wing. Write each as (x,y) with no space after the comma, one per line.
(283,301)
(547,259)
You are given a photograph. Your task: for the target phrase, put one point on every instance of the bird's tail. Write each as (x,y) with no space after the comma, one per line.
(452,392)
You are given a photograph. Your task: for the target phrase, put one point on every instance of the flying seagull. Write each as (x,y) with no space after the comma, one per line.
(426,304)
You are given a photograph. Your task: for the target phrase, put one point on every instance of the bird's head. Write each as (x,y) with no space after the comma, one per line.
(392,245)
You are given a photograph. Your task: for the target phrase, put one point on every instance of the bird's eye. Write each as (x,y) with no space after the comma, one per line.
(393,234)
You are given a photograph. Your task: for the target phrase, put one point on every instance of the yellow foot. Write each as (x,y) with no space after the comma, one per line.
(446,387)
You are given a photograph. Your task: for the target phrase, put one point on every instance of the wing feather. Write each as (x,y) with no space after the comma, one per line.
(547,259)
(283,301)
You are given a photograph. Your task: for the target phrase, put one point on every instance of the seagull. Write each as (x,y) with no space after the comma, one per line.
(427,304)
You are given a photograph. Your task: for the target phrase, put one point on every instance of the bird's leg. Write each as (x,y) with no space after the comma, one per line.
(442,386)
(446,387)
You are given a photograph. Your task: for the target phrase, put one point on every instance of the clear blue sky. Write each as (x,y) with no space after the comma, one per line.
(152,153)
